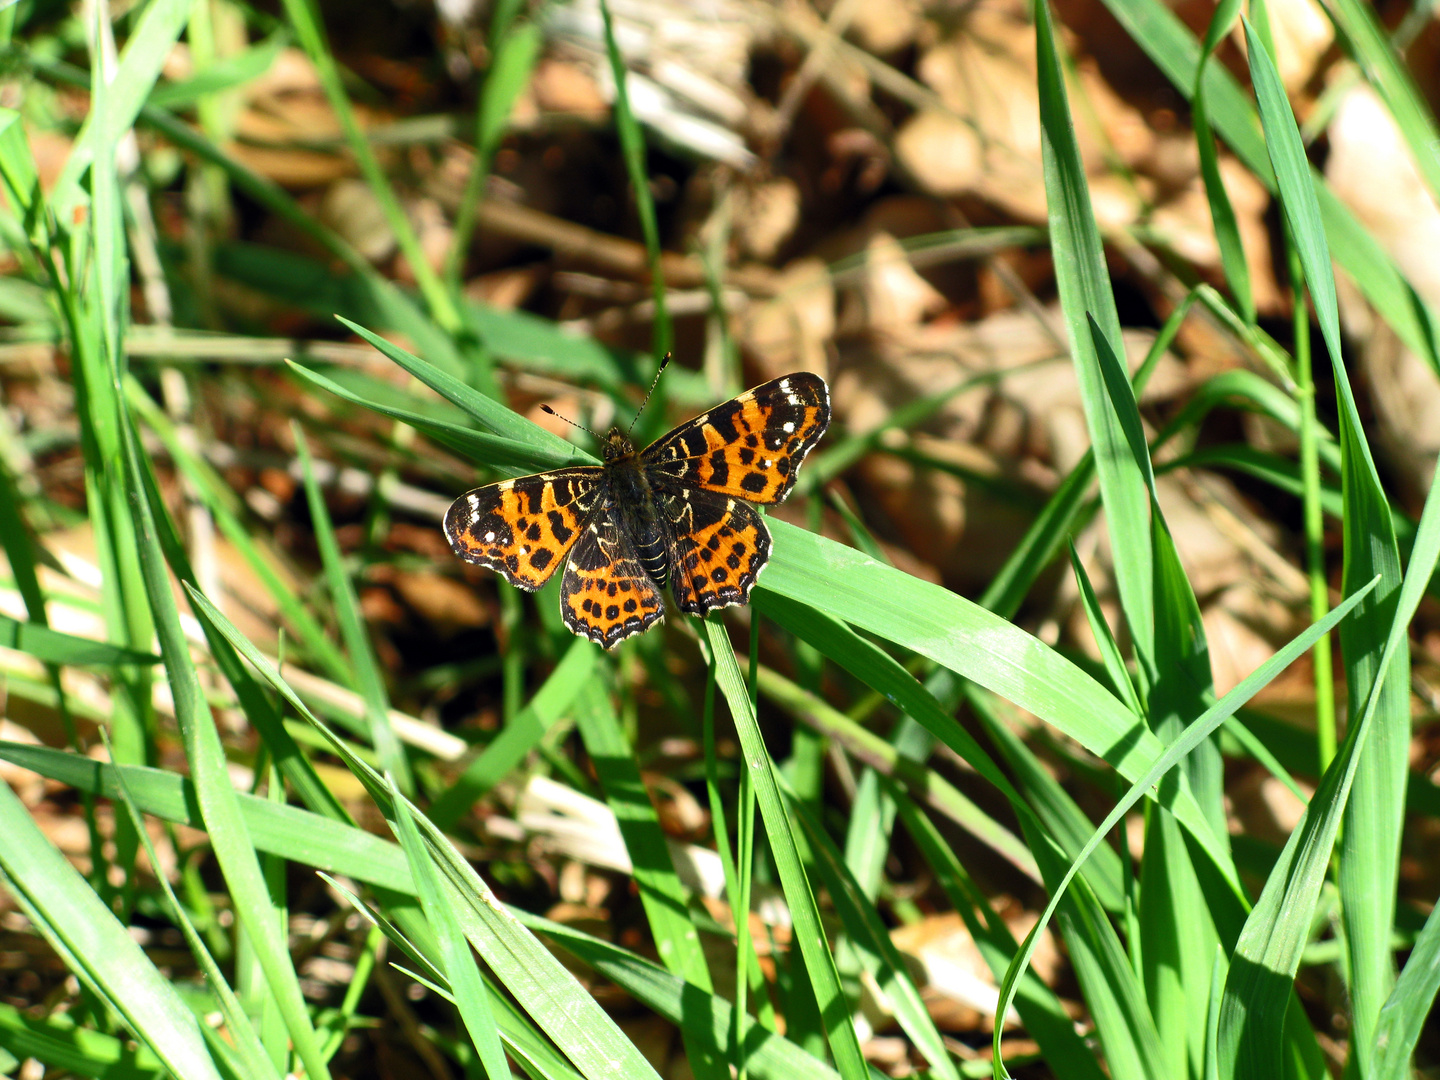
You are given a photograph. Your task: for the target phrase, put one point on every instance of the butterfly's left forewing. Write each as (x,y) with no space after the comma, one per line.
(750,447)
(522,528)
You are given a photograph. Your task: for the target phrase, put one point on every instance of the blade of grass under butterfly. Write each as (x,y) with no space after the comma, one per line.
(808,930)
(494,450)
(1370,854)
(661,893)
(489,413)
(1200,729)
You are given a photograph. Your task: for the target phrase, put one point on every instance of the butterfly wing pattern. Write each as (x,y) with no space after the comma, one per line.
(750,447)
(718,548)
(522,528)
(606,595)
(698,485)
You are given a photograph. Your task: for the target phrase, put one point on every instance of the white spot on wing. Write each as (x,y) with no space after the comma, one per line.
(789,426)
(474,502)
(490,537)
(794,399)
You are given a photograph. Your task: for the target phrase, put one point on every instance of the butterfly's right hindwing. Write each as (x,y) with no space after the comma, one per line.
(523,528)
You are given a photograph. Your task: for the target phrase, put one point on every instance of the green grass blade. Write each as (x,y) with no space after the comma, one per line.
(970,641)
(467,989)
(809,933)
(1100,630)
(239,1031)
(905,769)
(221,74)
(1044,1016)
(1373,818)
(79,1051)
(495,450)
(1403,1016)
(1199,730)
(1083,281)
(549,993)
(661,893)
(304,17)
(1368,42)
(867,932)
(1297,187)
(364,667)
(1269,951)
(1222,214)
(1173,49)
(95,945)
(208,766)
(53,647)
(149,46)
(489,413)
(768,1056)
(521,735)
(632,145)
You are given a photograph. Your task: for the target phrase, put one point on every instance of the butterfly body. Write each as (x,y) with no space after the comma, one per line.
(678,512)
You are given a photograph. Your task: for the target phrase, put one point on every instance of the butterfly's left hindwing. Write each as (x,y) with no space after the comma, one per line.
(605,594)
(750,447)
(522,528)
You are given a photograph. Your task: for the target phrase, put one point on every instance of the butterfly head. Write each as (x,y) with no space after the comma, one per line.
(617,445)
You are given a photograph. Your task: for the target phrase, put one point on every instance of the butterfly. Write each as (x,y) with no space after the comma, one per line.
(678,512)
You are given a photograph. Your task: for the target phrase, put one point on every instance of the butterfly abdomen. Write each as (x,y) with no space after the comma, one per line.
(631,497)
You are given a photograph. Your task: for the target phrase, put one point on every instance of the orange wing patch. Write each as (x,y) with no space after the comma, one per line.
(720,546)
(522,528)
(750,447)
(605,594)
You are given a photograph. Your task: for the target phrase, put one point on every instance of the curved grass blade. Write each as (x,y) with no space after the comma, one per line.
(1268,955)
(1199,730)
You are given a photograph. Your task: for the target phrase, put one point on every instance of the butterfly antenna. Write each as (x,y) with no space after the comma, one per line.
(653,384)
(547,409)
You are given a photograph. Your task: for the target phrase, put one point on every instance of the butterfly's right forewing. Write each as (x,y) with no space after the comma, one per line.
(522,528)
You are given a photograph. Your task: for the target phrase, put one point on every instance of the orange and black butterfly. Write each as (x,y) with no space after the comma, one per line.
(677,512)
